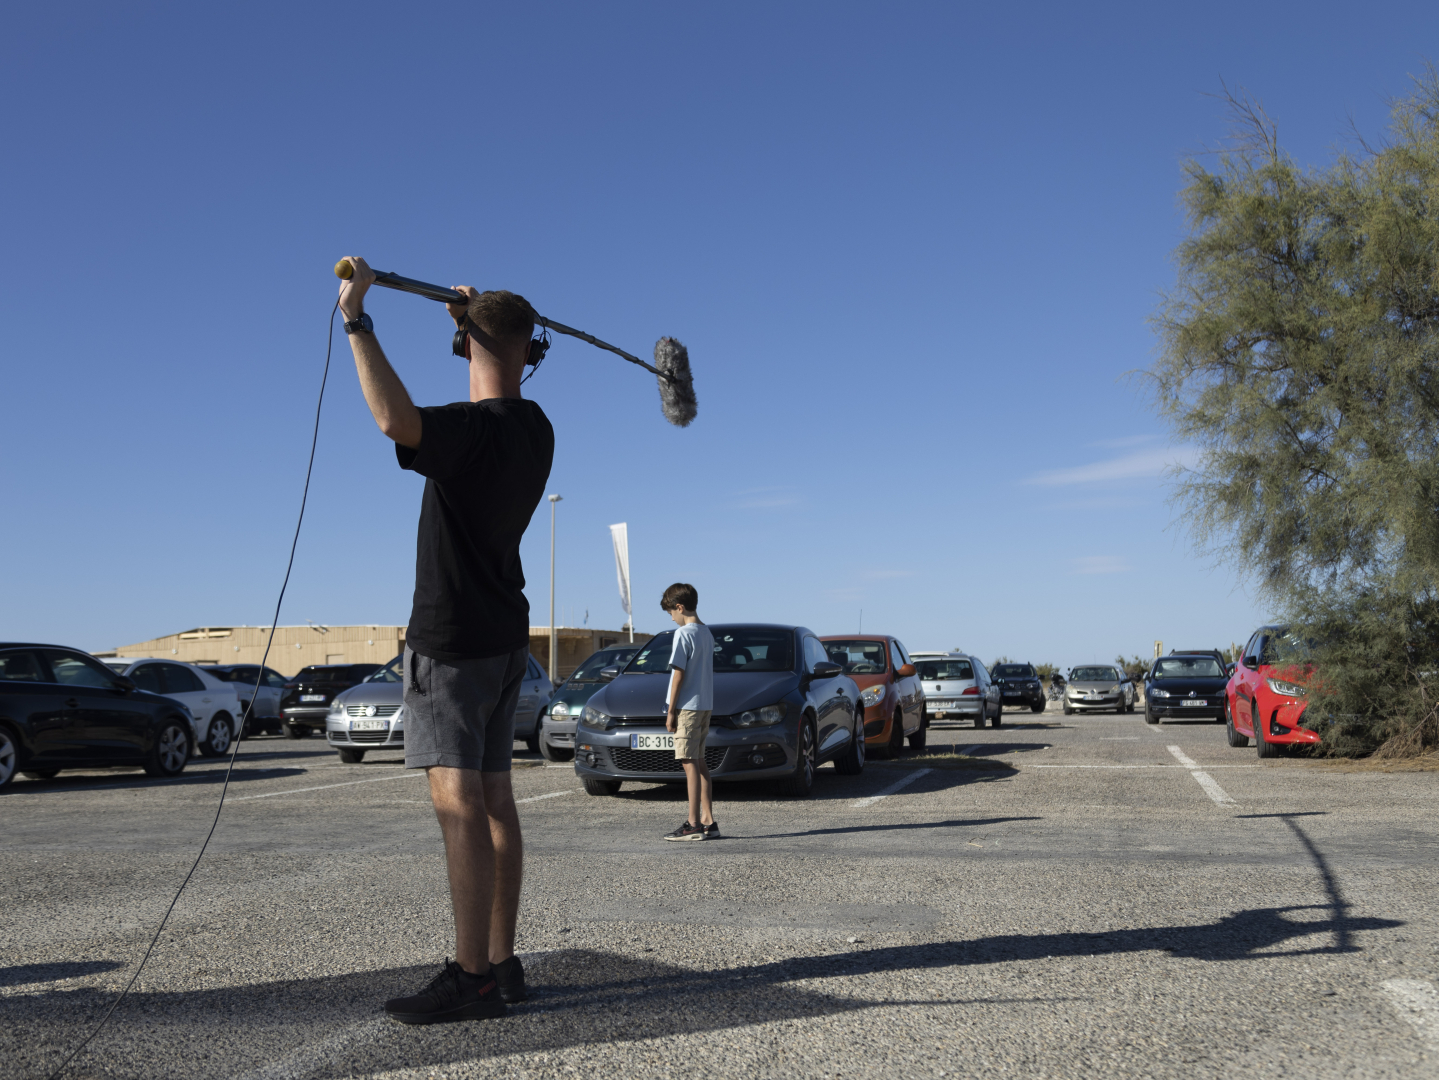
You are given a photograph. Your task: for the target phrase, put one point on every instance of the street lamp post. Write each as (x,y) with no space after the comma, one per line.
(554,633)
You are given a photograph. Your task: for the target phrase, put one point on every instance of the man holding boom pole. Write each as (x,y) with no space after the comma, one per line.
(486,462)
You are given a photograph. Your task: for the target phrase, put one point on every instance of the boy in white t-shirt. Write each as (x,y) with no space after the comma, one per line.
(690,701)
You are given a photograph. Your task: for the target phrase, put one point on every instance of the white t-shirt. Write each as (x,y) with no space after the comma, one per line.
(693,653)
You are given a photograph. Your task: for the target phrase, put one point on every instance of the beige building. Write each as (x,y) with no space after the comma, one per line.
(299,646)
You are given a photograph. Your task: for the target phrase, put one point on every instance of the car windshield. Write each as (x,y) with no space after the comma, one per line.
(1013,671)
(1188,667)
(945,669)
(391,672)
(857,657)
(590,670)
(654,657)
(323,673)
(1094,674)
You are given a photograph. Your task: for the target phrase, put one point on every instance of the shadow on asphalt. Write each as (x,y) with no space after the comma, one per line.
(588,996)
(90,781)
(964,823)
(829,786)
(38,973)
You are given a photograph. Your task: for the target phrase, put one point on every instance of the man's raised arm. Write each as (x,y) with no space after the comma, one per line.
(386,395)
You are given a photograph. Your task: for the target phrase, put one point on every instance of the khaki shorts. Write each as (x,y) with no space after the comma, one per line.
(690,734)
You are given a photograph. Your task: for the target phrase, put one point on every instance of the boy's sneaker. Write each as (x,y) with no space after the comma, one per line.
(510,974)
(711,830)
(687,832)
(453,994)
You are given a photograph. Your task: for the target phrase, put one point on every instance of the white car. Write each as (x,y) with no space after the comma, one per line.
(212,702)
(957,686)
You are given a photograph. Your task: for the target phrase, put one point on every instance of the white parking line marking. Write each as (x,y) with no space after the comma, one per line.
(550,795)
(1027,766)
(322,787)
(1212,789)
(887,792)
(311,1056)
(1417,1001)
(969,751)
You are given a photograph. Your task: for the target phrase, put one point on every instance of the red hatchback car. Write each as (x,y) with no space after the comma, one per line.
(1265,697)
(889,689)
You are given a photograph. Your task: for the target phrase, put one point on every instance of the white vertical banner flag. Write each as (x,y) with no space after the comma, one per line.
(620,534)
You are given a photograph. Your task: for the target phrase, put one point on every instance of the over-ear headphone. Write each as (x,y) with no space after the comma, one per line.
(538,346)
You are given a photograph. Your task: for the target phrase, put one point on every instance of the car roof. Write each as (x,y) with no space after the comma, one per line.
(857,637)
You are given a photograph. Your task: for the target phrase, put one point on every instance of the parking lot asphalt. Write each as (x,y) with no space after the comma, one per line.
(1106,899)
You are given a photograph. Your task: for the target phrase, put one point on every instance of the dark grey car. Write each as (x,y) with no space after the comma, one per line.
(781,707)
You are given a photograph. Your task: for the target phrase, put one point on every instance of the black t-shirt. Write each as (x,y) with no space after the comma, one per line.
(486,464)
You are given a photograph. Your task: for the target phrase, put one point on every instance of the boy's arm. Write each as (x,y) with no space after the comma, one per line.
(672,719)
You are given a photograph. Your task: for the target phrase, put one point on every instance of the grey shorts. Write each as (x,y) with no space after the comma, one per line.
(461,713)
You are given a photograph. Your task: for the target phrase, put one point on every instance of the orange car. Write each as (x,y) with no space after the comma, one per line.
(889,689)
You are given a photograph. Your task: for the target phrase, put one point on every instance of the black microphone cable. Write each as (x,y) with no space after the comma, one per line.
(235,750)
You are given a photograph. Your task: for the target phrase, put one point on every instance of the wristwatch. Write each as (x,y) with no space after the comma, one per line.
(364,322)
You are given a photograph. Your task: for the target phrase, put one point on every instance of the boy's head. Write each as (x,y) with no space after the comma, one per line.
(680,599)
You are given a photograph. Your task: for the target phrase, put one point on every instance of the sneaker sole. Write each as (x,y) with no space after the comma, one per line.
(684,839)
(514,998)
(477,1010)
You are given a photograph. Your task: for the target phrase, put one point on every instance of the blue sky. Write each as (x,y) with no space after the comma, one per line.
(912,250)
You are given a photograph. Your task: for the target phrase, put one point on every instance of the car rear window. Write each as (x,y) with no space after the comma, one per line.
(945,669)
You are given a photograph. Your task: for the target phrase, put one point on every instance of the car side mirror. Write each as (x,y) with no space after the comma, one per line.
(609,674)
(826,670)
(1251,663)
(124,684)
(905,671)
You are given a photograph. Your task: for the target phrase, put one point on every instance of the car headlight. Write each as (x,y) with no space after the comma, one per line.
(595,718)
(399,720)
(770,714)
(1286,689)
(336,709)
(559,708)
(872,695)
(1159,693)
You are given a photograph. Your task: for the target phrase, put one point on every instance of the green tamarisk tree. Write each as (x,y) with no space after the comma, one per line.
(1299,351)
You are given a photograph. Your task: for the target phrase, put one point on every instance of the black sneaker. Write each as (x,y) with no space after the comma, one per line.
(711,830)
(687,832)
(453,994)
(510,974)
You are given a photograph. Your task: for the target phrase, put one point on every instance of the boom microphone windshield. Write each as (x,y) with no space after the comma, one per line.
(672,360)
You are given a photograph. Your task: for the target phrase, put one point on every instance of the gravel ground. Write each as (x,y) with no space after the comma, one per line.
(1092,904)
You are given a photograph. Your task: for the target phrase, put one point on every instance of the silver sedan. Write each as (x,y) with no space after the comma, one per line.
(1098,687)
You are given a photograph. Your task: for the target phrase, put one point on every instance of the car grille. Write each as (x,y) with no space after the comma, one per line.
(629,760)
(376,737)
(364,710)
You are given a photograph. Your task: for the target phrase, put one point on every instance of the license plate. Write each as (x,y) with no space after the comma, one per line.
(1186,703)
(312,697)
(652,742)
(368,725)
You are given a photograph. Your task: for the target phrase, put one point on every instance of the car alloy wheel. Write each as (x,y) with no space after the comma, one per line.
(8,757)
(170,752)
(896,735)
(1266,748)
(851,762)
(801,781)
(217,738)
(1230,731)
